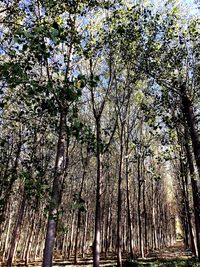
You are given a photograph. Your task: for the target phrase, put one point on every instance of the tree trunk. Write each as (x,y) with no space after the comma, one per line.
(129,211)
(71,236)
(145,218)
(6,243)
(107,231)
(55,197)
(37,237)
(30,240)
(195,194)
(139,211)
(186,207)
(77,236)
(192,125)
(96,245)
(13,178)
(154,233)
(16,230)
(79,211)
(84,235)
(119,203)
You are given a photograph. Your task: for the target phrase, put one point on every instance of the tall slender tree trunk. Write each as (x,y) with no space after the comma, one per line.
(79,212)
(96,244)
(196,203)
(84,235)
(55,197)
(107,230)
(119,202)
(71,236)
(129,211)
(8,228)
(77,236)
(37,237)
(145,218)
(154,233)
(139,210)
(192,125)
(195,194)
(13,178)
(65,246)
(16,230)
(30,240)
(186,208)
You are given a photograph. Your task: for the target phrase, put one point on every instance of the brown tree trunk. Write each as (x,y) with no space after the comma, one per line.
(119,202)
(14,176)
(107,230)
(84,235)
(195,194)
(79,211)
(8,228)
(55,197)
(192,125)
(37,236)
(145,218)
(30,240)
(139,210)
(96,245)
(16,230)
(129,211)
(154,230)
(77,236)
(71,236)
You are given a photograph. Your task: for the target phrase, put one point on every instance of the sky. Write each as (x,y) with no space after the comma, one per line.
(188,5)
(193,6)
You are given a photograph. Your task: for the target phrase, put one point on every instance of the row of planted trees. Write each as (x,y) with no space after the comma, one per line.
(148,219)
(99,131)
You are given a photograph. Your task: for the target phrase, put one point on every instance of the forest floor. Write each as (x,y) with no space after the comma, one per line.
(175,256)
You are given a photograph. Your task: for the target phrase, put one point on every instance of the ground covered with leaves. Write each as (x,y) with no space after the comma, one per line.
(176,256)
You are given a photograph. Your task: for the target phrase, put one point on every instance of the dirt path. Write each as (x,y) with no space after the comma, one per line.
(176,252)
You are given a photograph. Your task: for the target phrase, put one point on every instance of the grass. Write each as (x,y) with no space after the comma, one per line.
(164,263)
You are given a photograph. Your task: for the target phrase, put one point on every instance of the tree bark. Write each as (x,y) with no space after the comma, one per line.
(139,210)
(79,211)
(129,212)
(8,228)
(145,218)
(119,203)
(84,235)
(188,110)
(96,245)
(15,234)
(55,197)
(71,236)
(30,240)
(195,195)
